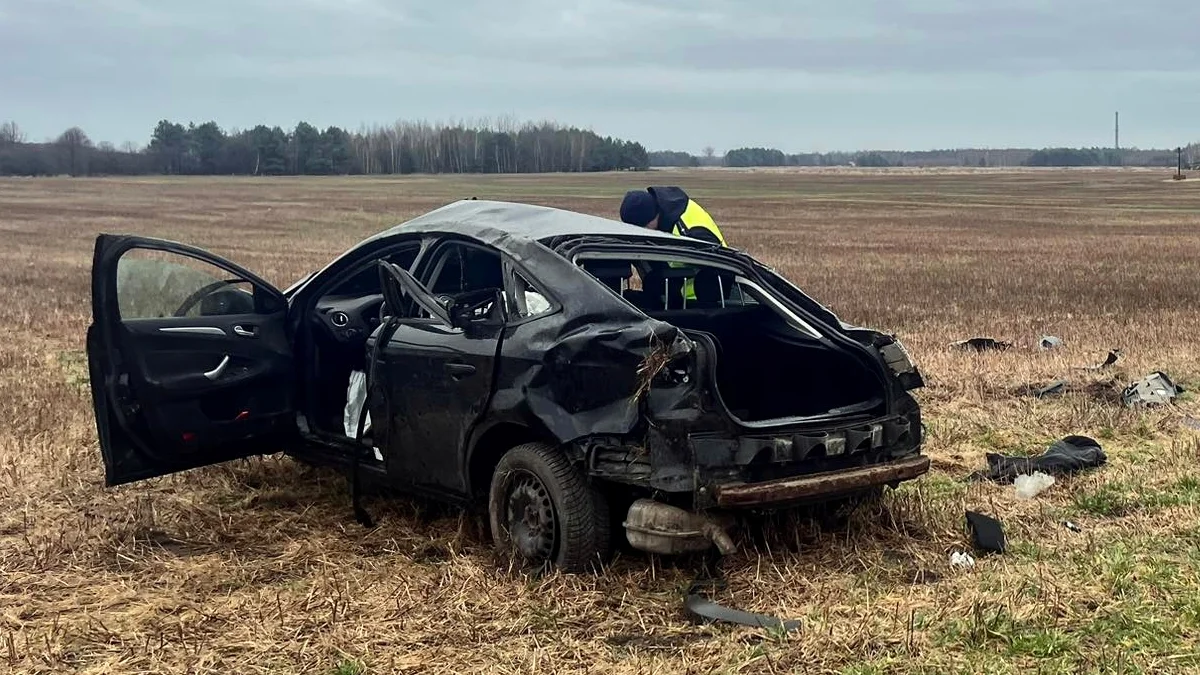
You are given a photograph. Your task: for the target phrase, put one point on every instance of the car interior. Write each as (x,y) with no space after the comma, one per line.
(343,319)
(767,368)
(353,309)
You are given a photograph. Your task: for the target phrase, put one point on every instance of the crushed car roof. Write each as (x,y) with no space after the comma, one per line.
(493,220)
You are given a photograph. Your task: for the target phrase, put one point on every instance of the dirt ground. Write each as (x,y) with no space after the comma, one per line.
(257,566)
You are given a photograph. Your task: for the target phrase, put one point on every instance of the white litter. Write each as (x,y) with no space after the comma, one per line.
(536,302)
(356,397)
(1030,486)
(960,559)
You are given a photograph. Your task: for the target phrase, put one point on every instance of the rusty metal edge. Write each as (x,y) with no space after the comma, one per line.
(816,485)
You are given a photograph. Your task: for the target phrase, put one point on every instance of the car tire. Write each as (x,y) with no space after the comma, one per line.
(542,509)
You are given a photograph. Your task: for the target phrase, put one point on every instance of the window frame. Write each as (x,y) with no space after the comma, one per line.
(263,296)
(436,261)
(740,276)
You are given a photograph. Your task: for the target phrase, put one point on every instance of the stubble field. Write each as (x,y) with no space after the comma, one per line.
(257,566)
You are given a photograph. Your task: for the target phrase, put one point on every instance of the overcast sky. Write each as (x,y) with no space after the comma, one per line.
(794,74)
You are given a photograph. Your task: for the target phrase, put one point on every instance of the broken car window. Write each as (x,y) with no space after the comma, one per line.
(653,284)
(528,300)
(157,284)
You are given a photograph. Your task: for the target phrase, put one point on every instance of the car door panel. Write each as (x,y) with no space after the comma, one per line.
(436,373)
(173,390)
(439,381)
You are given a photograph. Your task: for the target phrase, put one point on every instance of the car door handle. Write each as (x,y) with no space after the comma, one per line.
(458,370)
(244,331)
(213,374)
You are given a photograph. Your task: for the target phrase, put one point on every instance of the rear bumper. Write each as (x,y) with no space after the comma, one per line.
(819,485)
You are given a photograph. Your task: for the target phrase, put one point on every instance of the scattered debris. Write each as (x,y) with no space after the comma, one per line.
(1154,389)
(1067,456)
(986,533)
(1050,342)
(1072,526)
(356,398)
(960,559)
(1111,359)
(1052,389)
(1031,485)
(981,344)
(703,608)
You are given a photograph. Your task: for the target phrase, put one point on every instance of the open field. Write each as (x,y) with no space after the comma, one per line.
(258,567)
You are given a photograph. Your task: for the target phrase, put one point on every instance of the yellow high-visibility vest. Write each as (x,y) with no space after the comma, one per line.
(694,216)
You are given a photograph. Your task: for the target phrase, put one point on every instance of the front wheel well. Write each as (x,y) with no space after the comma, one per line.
(490,447)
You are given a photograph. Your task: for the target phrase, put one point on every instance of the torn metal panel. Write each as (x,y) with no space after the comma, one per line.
(1154,389)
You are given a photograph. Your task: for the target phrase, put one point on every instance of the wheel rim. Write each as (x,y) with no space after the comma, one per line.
(529,513)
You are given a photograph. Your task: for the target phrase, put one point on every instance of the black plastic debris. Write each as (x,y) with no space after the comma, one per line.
(1110,360)
(987,535)
(1072,526)
(700,607)
(1154,389)
(1050,342)
(981,344)
(1052,389)
(1064,457)
(704,608)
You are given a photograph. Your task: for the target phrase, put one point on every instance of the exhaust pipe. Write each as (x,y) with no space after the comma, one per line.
(660,528)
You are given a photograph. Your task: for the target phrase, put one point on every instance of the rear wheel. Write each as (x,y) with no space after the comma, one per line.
(541,508)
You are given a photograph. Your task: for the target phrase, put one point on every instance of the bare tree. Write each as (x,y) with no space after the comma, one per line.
(709,152)
(76,144)
(130,147)
(11,134)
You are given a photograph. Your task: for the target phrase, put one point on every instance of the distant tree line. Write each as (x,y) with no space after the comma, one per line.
(1076,157)
(972,157)
(672,158)
(404,147)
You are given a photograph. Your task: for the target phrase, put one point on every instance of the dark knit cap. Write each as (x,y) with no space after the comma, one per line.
(638,208)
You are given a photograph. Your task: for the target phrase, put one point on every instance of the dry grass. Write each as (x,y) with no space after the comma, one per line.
(258,566)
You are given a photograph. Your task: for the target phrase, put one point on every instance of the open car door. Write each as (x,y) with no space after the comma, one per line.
(189,359)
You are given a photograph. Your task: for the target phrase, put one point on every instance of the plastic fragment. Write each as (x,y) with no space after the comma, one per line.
(1050,342)
(981,344)
(1031,485)
(961,559)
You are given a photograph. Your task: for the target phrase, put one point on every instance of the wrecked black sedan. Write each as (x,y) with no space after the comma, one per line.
(577,375)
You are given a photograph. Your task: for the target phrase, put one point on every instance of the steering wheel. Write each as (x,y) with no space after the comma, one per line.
(201,293)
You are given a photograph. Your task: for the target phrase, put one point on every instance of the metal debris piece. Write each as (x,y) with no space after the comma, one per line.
(1052,389)
(703,608)
(981,344)
(1109,360)
(1050,342)
(707,609)
(1072,526)
(1154,389)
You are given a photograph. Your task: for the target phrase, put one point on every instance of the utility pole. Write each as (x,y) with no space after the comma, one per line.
(1117,130)
(1179,163)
